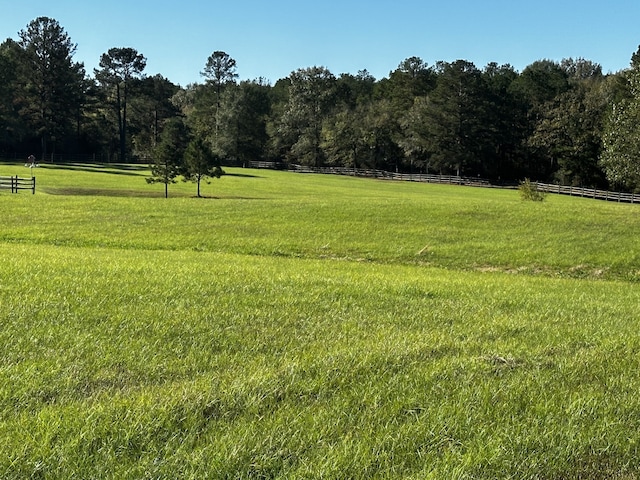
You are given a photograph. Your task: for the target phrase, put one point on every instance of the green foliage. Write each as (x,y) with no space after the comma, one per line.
(242,136)
(150,110)
(13,124)
(169,154)
(51,84)
(570,133)
(311,99)
(346,137)
(529,191)
(220,69)
(413,78)
(119,67)
(200,162)
(541,82)
(336,331)
(546,122)
(453,118)
(621,155)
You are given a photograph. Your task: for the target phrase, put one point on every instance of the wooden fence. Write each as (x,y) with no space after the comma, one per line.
(453,180)
(588,193)
(16,184)
(382,174)
(372,173)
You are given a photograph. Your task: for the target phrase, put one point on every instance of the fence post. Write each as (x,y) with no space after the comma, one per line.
(33,185)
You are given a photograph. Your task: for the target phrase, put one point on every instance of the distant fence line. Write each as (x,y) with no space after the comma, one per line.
(16,183)
(453,180)
(372,173)
(588,193)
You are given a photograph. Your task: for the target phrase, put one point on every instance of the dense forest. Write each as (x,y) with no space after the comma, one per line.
(564,122)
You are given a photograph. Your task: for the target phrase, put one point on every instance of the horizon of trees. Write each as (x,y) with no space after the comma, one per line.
(563,122)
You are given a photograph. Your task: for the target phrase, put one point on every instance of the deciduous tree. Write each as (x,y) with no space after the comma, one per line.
(620,159)
(312,97)
(243,114)
(569,133)
(344,137)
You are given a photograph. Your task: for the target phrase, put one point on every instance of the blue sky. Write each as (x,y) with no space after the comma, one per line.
(272,39)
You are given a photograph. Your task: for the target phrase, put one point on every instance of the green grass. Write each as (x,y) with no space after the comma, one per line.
(303,326)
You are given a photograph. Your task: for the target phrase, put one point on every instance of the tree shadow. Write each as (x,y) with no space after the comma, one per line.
(110,168)
(242,175)
(105,192)
(226,197)
(114,192)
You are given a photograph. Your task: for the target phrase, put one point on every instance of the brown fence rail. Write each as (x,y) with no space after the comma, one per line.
(589,193)
(16,184)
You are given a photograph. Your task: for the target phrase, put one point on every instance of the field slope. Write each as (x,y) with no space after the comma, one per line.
(306,326)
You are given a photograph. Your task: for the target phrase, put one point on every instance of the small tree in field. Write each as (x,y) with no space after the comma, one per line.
(169,154)
(529,191)
(200,162)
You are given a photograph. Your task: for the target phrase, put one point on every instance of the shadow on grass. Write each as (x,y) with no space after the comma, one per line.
(242,175)
(113,192)
(118,169)
(110,168)
(230,197)
(105,192)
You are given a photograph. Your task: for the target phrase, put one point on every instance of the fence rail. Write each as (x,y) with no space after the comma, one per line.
(17,183)
(589,193)
(452,180)
(382,174)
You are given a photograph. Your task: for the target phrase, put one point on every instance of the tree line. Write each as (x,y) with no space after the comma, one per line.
(564,122)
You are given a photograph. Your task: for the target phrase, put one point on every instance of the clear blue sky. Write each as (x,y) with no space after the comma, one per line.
(271,39)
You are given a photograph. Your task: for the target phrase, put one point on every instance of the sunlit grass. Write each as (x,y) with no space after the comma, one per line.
(312,216)
(315,327)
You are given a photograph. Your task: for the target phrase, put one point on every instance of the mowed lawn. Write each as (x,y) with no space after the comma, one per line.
(308,326)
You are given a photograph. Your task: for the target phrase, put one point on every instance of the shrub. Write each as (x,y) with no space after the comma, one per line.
(529,191)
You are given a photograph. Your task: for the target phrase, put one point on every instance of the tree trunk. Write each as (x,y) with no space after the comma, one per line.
(123,137)
(43,146)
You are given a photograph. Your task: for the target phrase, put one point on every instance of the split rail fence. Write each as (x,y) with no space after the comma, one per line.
(454,180)
(588,193)
(17,183)
(372,173)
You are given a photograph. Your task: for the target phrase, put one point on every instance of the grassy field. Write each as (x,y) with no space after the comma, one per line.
(306,326)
